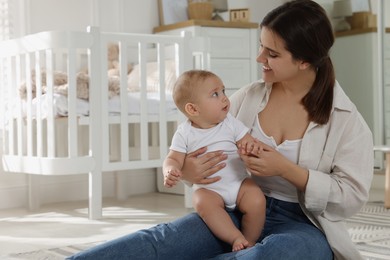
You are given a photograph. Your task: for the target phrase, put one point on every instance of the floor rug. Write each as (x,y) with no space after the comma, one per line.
(369,229)
(53,253)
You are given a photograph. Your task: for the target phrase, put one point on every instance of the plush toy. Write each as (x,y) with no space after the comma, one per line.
(113,68)
(82,86)
(113,86)
(59,78)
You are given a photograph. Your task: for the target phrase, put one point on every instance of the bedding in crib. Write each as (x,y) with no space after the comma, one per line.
(60,105)
(60,100)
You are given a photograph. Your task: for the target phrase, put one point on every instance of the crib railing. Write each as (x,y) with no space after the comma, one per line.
(36,141)
(29,139)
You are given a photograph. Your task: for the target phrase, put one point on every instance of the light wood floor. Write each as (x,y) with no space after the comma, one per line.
(67,223)
(64,224)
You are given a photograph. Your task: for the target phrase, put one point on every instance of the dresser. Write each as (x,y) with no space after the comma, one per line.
(233,48)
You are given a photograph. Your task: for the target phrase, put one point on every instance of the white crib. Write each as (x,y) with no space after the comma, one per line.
(52,134)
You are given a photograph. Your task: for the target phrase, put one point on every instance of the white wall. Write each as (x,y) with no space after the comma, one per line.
(127,16)
(109,15)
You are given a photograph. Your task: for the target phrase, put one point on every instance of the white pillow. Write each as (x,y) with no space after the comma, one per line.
(152,81)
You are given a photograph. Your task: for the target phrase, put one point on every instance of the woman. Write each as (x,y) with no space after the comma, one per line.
(316,162)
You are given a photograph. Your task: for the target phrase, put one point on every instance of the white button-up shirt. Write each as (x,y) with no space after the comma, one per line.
(339,156)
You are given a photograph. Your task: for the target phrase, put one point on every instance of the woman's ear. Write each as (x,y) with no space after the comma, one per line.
(191,109)
(304,65)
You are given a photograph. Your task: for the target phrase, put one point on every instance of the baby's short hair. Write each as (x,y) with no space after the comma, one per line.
(186,86)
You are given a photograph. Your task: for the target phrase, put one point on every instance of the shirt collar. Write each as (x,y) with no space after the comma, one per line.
(340,99)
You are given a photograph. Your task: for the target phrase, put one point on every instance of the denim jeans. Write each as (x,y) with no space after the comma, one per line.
(287,234)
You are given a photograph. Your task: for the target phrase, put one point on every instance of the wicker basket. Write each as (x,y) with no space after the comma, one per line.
(200,10)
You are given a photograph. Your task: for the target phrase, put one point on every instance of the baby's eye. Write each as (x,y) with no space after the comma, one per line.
(215,94)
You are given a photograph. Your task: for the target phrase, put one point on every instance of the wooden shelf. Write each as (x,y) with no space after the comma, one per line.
(358,31)
(212,23)
(205,23)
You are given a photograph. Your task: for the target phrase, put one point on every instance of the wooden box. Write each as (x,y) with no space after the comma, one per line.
(360,20)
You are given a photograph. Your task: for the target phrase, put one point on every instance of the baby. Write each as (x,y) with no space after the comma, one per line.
(200,95)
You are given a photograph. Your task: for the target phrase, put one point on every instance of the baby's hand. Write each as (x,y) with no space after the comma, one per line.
(251,148)
(172,177)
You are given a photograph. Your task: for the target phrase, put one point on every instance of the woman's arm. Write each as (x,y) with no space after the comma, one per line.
(339,186)
(199,166)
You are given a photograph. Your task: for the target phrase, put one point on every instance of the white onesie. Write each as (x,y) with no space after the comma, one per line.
(221,137)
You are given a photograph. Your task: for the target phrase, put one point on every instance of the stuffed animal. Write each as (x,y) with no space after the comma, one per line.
(113,68)
(82,86)
(59,78)
(113,86)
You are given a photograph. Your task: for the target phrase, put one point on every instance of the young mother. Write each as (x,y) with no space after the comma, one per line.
(315,168)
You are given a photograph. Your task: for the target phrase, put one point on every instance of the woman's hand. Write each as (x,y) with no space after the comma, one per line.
(269,162)
(199,166)
(263,161)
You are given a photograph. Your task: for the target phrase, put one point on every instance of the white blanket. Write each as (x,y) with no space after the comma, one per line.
(60,105)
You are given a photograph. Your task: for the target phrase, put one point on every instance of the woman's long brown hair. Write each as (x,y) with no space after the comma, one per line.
(307,32)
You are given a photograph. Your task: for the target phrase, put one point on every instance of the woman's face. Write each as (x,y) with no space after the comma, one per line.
(278,63)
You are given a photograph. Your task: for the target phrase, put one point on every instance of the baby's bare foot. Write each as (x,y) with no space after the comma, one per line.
(240,243)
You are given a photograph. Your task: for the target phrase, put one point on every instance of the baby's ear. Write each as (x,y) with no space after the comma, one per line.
(191,109)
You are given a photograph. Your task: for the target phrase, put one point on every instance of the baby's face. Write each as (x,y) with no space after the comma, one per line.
(212,102)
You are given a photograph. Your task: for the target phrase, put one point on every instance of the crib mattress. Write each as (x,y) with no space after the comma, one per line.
(60,105)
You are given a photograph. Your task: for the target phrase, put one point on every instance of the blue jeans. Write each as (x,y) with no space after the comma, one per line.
(287,234)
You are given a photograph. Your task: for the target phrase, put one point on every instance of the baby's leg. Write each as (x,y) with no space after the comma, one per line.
(211,208)
(251,202)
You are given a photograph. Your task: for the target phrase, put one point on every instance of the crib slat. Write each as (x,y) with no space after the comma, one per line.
(10,93)
(183,54)
(19,120)
(3,94)
(29,128)
(124,126)
(7,117)
(50,113)
(163,137)
(102,102)
(143,106)
(72,95)
(38,75)
(98,128)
